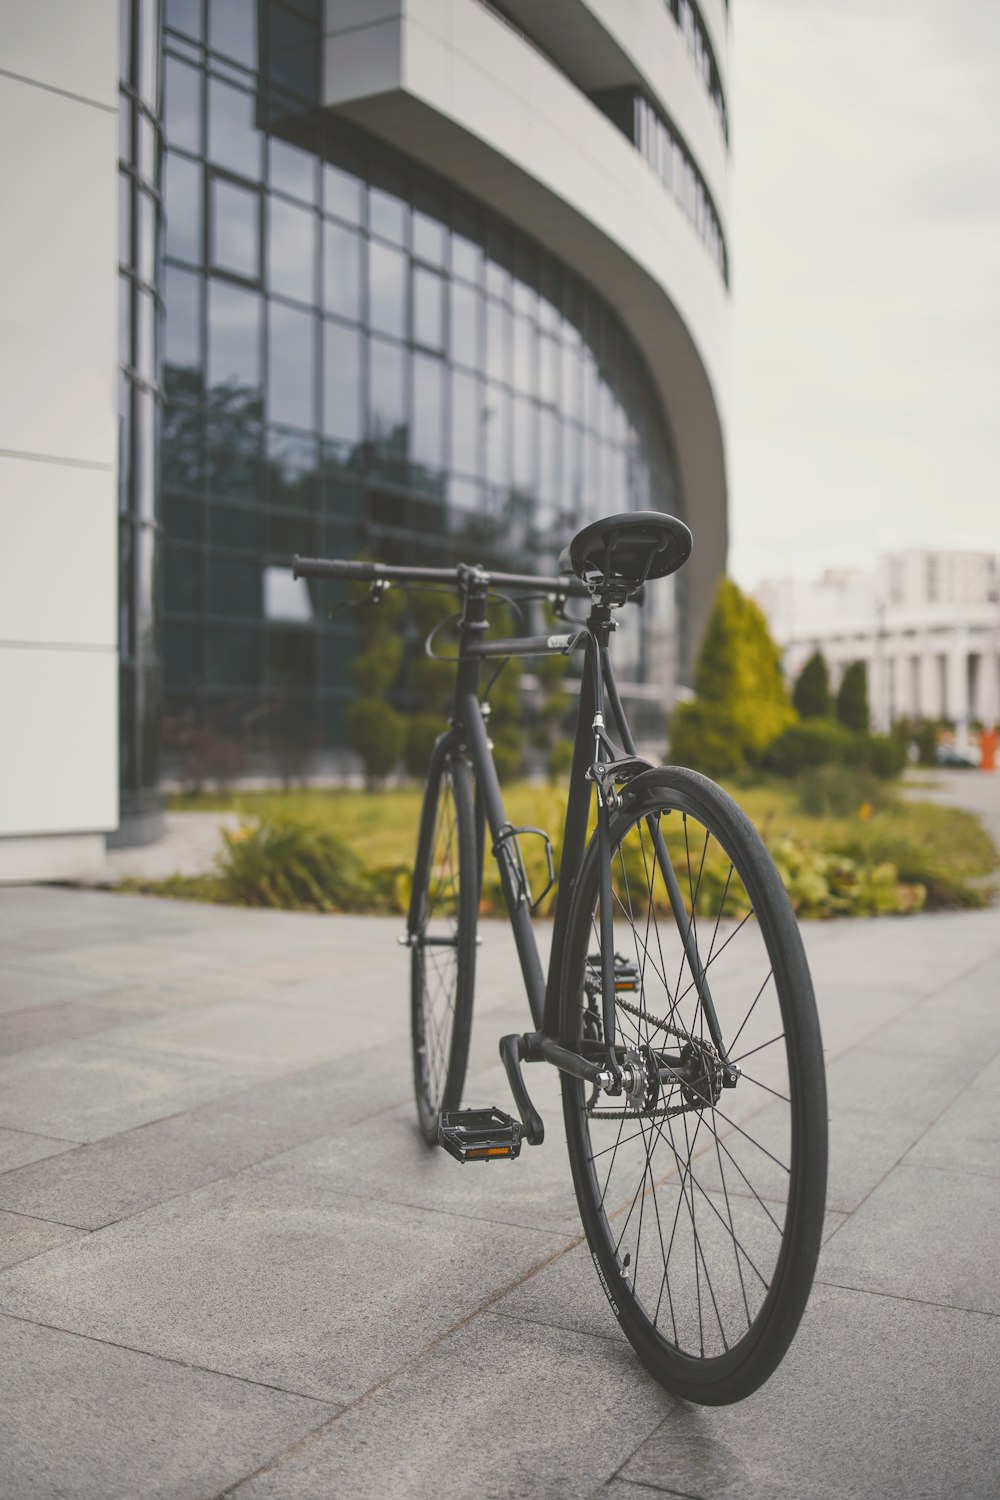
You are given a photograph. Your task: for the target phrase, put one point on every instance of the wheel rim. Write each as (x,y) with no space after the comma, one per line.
(436,956)
(692,1182)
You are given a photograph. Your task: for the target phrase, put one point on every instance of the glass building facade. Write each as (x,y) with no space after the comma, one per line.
(358,357)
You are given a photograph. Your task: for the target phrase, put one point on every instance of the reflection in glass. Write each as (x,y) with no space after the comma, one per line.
(524,355)
(185,15)
(342,387)
(429,234)
(341,271)
(182,324)
(428,308)
(291,367)
(524,444)
(497,340)
(466,246)
(387,408)
(293,171)
(232,656)
(465,313)
(548,456)
(232,29)
(387,289)
(427,438)
(183,195)
(233,337)
(291,250)
(496,430)
(341,193)
(292,469)
(548,370)
(387,211)
(235,236)
(182,104)
(465,422)
(233,586)
(233,139)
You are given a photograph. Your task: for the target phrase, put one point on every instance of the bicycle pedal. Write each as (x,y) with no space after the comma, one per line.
(480,1135)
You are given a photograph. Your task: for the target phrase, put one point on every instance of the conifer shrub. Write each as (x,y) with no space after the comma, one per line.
(811,694)
(852,699)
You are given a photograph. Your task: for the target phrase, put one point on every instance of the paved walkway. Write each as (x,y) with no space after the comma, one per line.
(233,1269)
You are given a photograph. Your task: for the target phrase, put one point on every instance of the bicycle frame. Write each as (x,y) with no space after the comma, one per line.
(596,764)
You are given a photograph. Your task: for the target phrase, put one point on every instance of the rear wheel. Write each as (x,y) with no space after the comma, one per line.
(443,937)
(702,1202)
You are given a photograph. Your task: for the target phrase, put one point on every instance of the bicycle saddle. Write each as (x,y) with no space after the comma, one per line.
(620,553)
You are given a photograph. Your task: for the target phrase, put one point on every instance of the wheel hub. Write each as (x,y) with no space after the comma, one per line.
(702,1064)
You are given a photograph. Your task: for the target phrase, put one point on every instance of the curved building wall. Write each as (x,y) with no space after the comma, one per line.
(360,354)
(508,117)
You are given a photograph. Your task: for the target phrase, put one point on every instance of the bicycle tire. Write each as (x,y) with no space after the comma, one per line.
(711,1297)
(443,939)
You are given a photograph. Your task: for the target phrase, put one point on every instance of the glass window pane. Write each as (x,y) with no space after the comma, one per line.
(341,193)
(232,29)
(466,245)
(465,313)
(182,104)
(233,337)
(428,308)
(386,210)
(125,219)
(429,234)
(235,242)
(292,54)
(342,382)
(185,15)
(387,406)
(496,427)
(548,370)
(524,355)
(234,586)
(292,250)
(387,289)
(182,323)
(292,464)
(232,656)
(497,340)
(427,437)
(124,320)
(341,271)
(548,457)
(291,366)
(525,413)
(233,138)
(183,208)
(293,171)
(465,423)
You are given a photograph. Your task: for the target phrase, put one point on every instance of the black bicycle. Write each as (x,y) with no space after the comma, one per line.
(677,1007)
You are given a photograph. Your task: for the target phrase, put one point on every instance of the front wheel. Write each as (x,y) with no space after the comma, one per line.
(702,1200)
(443,911)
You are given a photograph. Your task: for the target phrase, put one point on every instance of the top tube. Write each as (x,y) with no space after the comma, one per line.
(321,567)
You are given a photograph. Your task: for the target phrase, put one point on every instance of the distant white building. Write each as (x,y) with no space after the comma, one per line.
(927,625)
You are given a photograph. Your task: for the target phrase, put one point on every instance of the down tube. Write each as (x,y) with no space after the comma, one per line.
(520,917)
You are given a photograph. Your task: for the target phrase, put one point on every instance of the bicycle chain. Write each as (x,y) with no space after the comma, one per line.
(655,1114)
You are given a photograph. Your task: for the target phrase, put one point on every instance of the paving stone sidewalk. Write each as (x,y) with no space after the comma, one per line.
(233,1269)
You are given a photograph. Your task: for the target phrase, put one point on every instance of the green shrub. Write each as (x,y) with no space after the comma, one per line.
(738,671)
(706,737)
(378,733)
(811,694)
(927,742)
(852,698)
(422,731)
(886,754)
(559,760)
(838,791)
(816,742)
(298,866)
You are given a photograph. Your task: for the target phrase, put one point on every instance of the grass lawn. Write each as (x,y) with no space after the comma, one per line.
(888,855)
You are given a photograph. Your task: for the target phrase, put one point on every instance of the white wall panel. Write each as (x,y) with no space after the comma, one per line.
(71,46)
(58,282)
(58,761)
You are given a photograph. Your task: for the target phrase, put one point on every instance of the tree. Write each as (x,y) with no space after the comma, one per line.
(811,694)
(852,698)
(739,692)
(375,729)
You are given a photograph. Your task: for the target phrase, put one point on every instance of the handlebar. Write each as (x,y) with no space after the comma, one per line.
(368,572)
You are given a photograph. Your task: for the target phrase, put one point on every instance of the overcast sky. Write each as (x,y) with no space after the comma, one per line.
(864,404)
